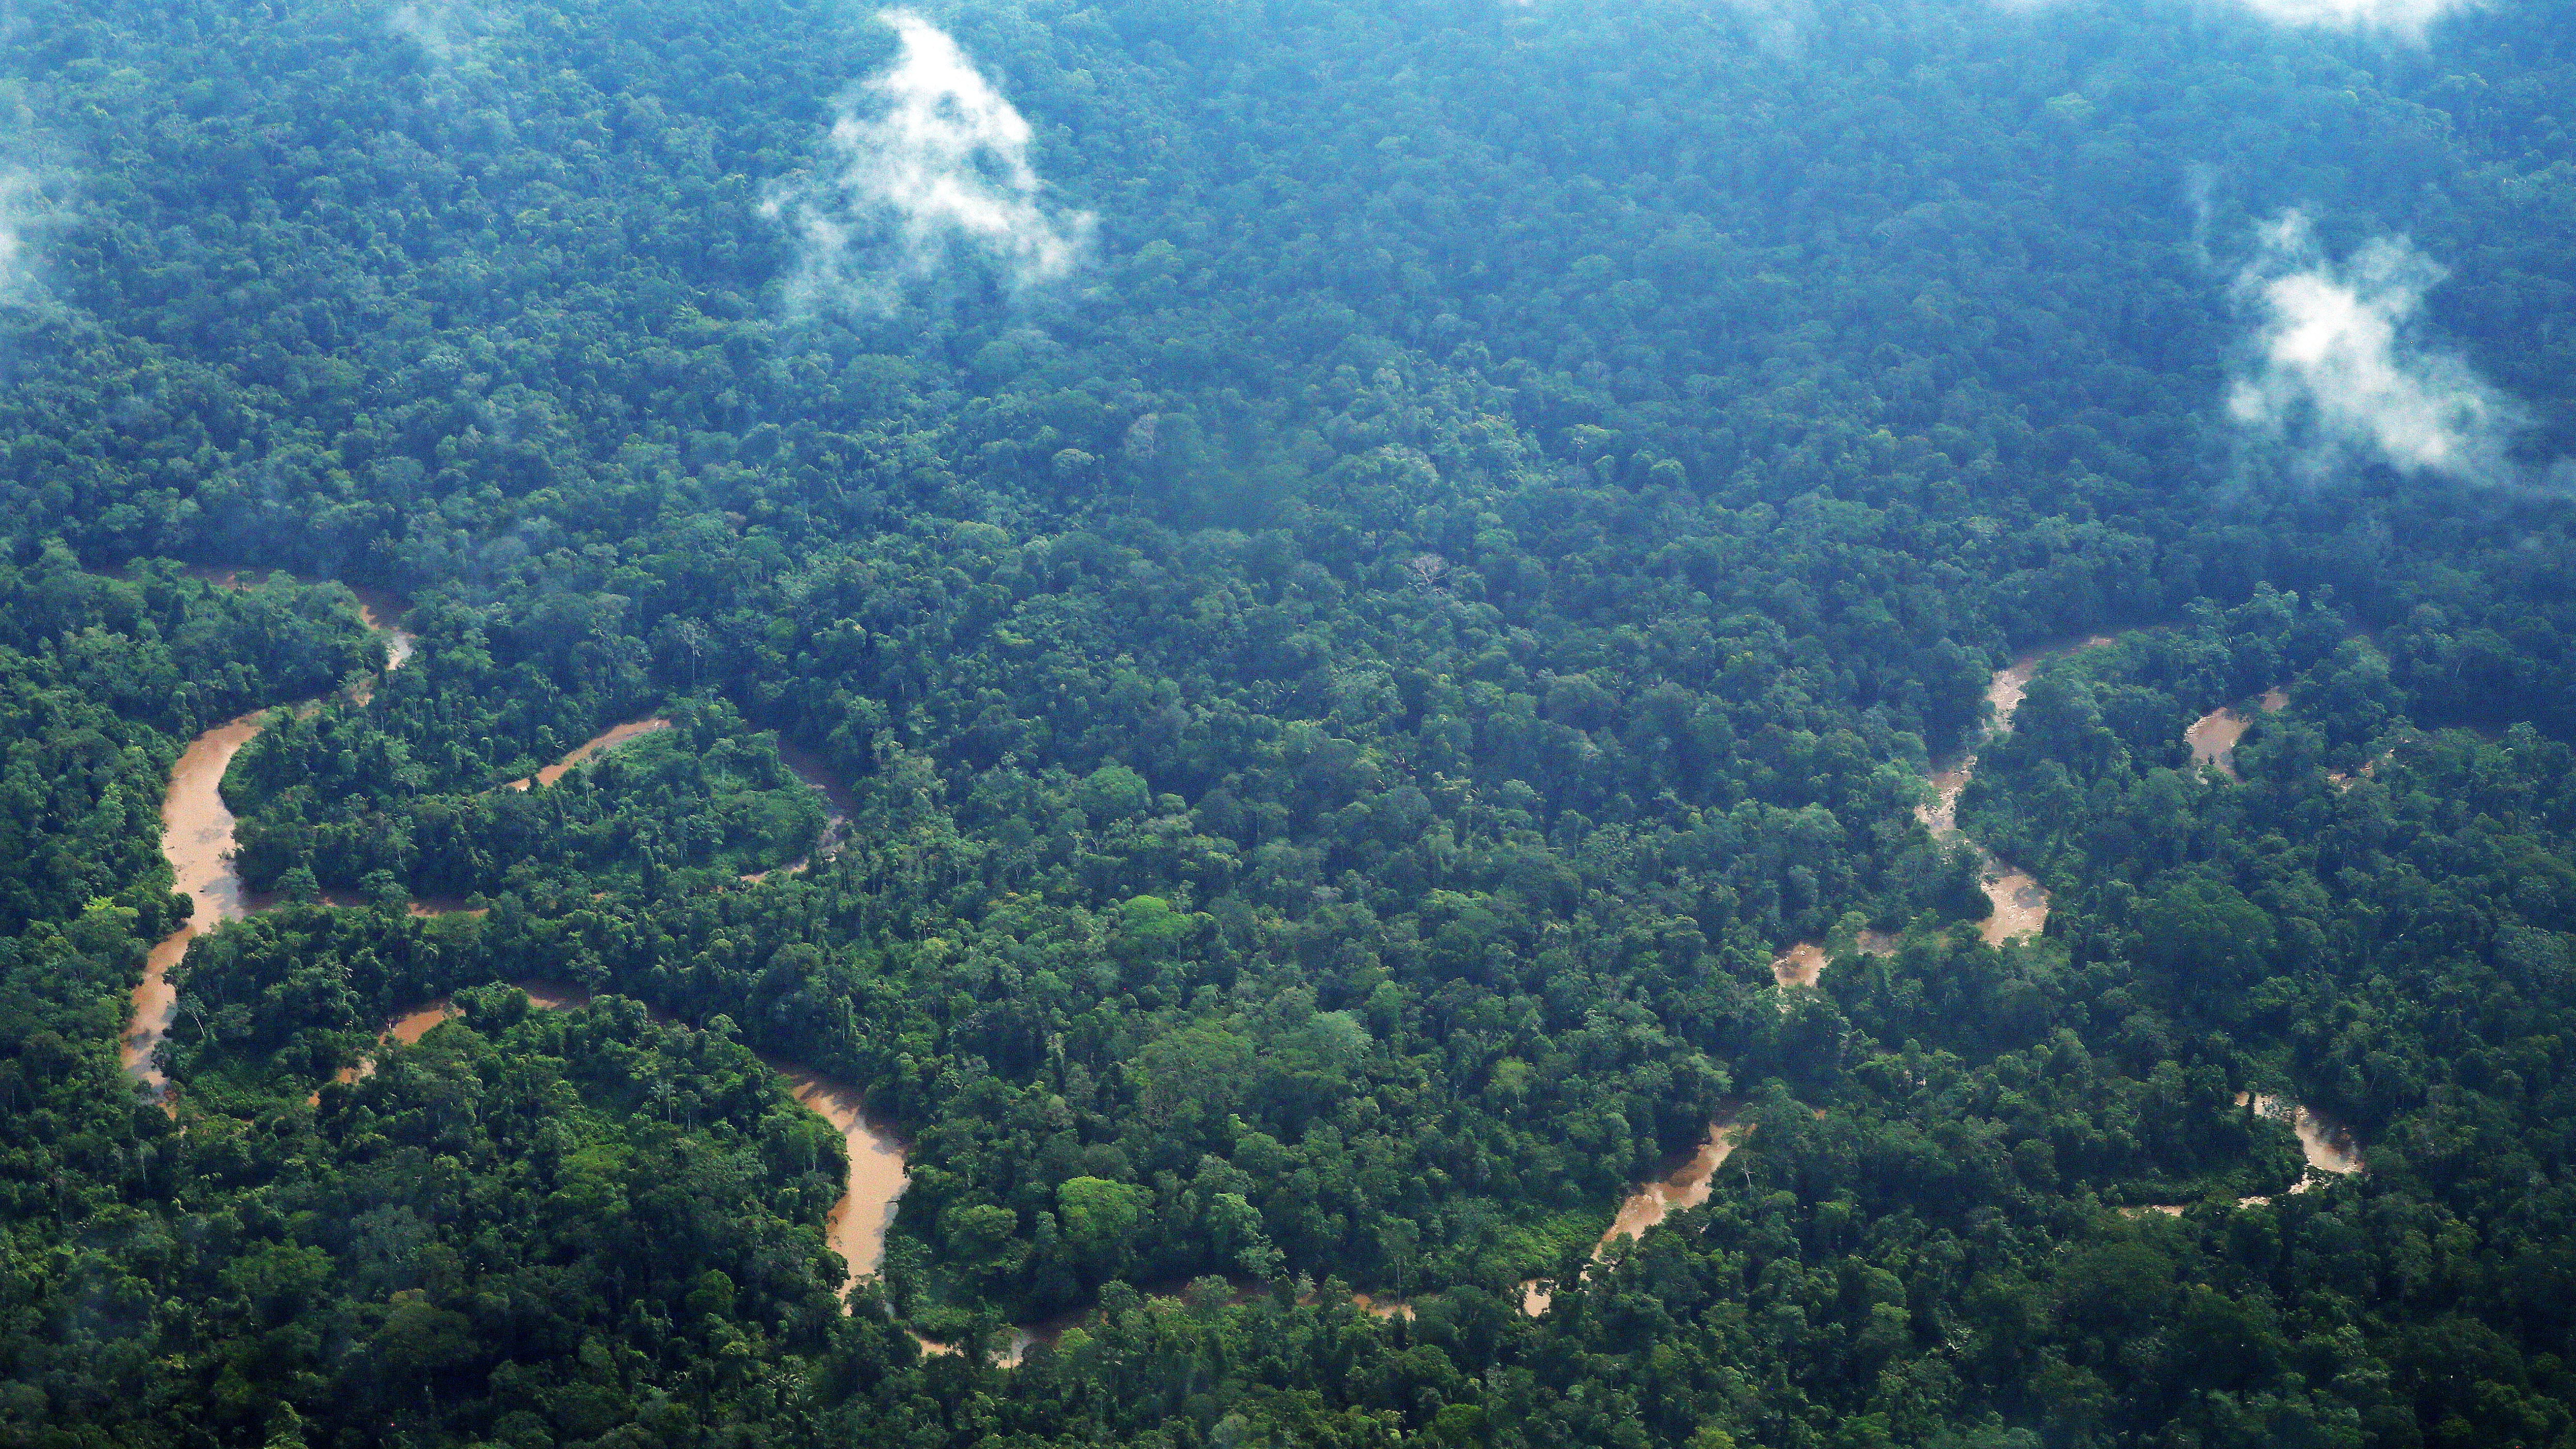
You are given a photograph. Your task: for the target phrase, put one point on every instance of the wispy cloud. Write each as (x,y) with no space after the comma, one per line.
(2339,369)
(927,161)
(1779,25)
(2407,18)
(21,208)
(443,29)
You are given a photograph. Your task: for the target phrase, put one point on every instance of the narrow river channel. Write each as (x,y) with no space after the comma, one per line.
(1685,1183)
(2017,904)
(857,1225)
(197,836)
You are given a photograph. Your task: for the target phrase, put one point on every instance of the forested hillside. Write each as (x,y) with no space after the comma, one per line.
(1306,640)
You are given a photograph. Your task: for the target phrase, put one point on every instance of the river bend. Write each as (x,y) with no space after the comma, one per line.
(197,837)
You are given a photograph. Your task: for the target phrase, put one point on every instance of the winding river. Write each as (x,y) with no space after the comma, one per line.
(2213,736)
(2017,903)
(607,739)
(857,1225)
(197,836)
(1686,1183)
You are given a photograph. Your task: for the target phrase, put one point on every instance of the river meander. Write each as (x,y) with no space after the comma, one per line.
(2017,904)
(197,836)
(856,1227)
(2213,737)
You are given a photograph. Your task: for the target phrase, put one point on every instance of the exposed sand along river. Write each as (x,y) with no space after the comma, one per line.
(2214,736)
(1684,1184)
(2017,903)
(2328,1147)
(197,836)
(857,1225)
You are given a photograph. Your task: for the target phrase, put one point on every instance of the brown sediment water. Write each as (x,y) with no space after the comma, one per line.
(377,609)
(607,739)
(2214,736)
(2012,682)
(1687,1184)
(2017,902)
(857,1225)
(810,767)
(1941,814)
(1800,965)
(197,836)
(411,1026)
(855,1228)
(839,804)
(2328,1145)
(1804,963)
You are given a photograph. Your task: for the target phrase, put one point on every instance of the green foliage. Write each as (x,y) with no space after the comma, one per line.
(1335,710)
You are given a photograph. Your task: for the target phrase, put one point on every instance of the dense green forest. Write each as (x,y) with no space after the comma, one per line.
(1265,615)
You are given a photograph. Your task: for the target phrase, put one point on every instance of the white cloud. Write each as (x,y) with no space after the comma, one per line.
(927,160)
(443,29)
(1778,25)
(21,207)
(2339,370)
(2408,18)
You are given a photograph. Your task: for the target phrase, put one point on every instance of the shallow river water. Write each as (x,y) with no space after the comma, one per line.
(857,1225)
(2214,736)
(2017,904)
(197,836)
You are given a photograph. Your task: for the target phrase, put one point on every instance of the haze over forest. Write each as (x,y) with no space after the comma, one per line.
(1479,724)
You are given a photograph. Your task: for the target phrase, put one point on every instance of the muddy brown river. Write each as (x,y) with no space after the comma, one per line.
(1684,1184)
(2017,904)
(607,739)
(2213,737)
(856,1227)
(197,836)
(2327,1145)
